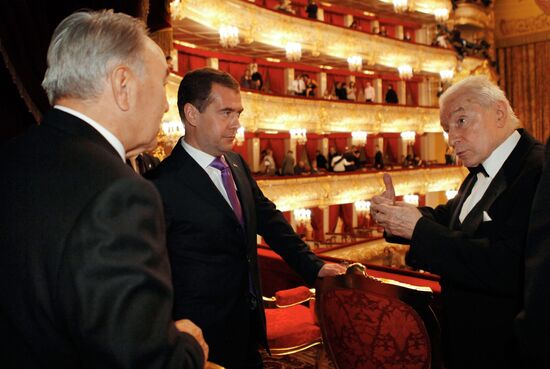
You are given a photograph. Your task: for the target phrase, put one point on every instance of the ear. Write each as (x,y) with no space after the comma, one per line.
(191,114)
(121,85)
(501,114)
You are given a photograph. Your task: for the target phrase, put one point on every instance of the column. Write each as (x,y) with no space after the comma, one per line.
(326,222)
(375,26)
(433,147)
(421,35)
(348,20)
(423,93)
(324,146)
(401,90)
(321,14)
(321,84)
(213,63)
(253,147)
(378,93)
(288,79)
(399,32)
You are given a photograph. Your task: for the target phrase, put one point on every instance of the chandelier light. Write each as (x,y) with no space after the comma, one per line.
(299,134)
(362,206)
(239,137)
(302,216)
(355,63)
(400,6)
(447,75)
(408,137)
(405,71)
(229,36)
(441,15)
(358,138)
(451,194)
(293,51)
(411,199)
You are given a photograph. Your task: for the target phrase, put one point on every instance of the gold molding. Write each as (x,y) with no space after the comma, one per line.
(281,113)
(311,191)
(472,15)
(276,29)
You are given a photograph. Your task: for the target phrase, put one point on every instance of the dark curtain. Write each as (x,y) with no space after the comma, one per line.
(317,224)
(26,27)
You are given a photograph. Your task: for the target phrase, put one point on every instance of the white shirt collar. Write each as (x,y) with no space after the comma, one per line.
(202,158)
(494,162)
(111,138)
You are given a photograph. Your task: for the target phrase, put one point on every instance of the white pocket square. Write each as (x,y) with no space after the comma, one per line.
(486,217)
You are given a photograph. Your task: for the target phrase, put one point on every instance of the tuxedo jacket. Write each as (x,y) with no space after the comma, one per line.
(84,273)
(533,323)
(481,262)
(214,258)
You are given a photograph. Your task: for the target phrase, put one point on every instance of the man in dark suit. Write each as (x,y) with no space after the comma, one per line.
(475,241)
(533,323)
(84,274)
(214,210)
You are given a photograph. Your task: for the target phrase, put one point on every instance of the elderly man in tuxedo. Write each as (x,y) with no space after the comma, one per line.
(84,273)
(475,241)
(214,210)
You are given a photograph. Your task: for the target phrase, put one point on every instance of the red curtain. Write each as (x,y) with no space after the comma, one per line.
(339,141)
(333,214)
(391,143)
(277,145)
(274,79)
(411,33)
(334,18)
(236,69)
(343,211)
(412,92)
(187,62)
(417,145)
(317,224)
(242,150)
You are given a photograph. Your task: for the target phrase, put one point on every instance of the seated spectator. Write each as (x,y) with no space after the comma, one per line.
(287,167)
(257,82)
(268,163)
(417,162)
(391,95)
(285,6)
(351,91)
(320,160)
(339,163)
(311,9)
(341,91)
(407,162)
(327,95)
(246,79)
(298,86)
(383,31)
(301,168)
(407,36)
(311,85)
(314,169)
(369,92)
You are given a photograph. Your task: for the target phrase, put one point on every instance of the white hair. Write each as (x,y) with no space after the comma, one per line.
(485,92)
(84,49)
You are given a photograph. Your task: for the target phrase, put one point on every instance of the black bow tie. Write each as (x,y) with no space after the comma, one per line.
(478,169)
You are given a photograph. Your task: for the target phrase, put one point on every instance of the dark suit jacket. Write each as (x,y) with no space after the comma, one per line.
(533,324)
(84,273)
(212,256)
(480,263)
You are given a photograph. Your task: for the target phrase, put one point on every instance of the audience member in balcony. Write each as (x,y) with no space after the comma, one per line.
(339,163)
(369,92)
(475,241)
(312,9)
(214,210)
(407,36)
(341,91)
(170,63)
(314,168)
(246,79)
(320,160)
(417,162)
(85,275)
(378,159)
(257,81)
(298,86)
(331,154)
(354,25)
(311,85)
(285,6)
(287,167)
(327,95)
(383,31)
(351,91)
(301,168)
(268,163)
(391,95)
(450,156)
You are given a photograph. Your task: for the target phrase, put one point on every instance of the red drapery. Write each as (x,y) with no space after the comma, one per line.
(412,92)
(391,146)
(317,224)
(339,141)
(344,212)
(277,144)
(187,62)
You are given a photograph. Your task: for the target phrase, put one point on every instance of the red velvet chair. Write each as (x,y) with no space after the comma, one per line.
(291,322)
(367,324)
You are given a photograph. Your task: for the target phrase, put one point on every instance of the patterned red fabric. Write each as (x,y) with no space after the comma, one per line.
(367,331)
(290,327)
(292,296)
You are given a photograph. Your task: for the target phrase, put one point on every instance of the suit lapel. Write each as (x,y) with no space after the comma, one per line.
(197,180)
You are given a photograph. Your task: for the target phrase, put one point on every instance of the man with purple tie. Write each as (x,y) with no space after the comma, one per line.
(475,241)
(214,210)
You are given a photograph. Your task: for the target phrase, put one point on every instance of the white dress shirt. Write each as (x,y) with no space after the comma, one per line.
(204,160)
(492,165)
(111,138)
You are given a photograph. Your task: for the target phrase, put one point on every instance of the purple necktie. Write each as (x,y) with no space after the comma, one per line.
(229,185)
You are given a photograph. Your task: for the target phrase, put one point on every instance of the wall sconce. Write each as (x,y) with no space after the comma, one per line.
(409,137)
(229,36)
(441,15)
(362,206)
(298,134)
(447,75)
(239,137)
(451,194)
(400,6)
(359,138)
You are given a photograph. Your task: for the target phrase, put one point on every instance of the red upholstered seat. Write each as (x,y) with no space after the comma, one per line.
(370,325)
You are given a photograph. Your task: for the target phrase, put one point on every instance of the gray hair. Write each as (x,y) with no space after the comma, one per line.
(84,49)
(484,91)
